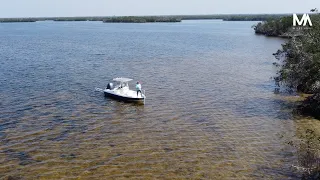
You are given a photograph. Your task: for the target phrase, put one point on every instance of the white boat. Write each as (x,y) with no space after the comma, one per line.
(122,92)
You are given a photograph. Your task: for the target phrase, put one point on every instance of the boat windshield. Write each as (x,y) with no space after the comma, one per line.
(123,84)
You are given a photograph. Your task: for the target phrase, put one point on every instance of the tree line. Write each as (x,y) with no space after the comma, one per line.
(299,58)
(143,19)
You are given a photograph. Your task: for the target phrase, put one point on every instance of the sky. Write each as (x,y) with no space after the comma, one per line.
(62,8)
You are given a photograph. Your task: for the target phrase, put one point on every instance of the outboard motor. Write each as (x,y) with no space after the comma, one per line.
(110,86)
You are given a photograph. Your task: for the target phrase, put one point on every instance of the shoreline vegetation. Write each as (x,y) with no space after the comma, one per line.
(280,27)
(299,58)
(299,71)
(137,19)
(151,19)
(276,27)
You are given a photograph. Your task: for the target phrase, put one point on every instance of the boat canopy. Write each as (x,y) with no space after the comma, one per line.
(121,79)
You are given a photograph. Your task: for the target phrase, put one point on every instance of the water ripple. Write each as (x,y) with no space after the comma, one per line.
(210,112)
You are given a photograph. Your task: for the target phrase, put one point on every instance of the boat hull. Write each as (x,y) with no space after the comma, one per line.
(122,98)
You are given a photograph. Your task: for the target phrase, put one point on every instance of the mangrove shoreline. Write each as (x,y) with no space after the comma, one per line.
(150,19)
(299,58)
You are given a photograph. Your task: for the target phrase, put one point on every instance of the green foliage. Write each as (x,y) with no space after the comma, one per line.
(263,17)
(274,26)
(233,17)
(300,61)
(300,68)
(141,19)
(8,20)
(77,19)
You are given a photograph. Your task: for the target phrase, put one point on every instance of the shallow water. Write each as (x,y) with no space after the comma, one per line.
(210,112)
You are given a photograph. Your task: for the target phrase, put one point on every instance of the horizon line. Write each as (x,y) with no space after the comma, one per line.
(153,15)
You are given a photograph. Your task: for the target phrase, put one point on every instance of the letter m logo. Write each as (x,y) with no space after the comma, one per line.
(304,20)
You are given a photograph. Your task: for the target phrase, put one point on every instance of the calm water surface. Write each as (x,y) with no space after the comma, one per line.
(210,113)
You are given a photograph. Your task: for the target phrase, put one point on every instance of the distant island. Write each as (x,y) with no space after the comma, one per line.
(151,19)
(13,20)
(141,19)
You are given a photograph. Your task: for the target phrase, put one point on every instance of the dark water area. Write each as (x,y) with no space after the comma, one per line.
(211,111)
